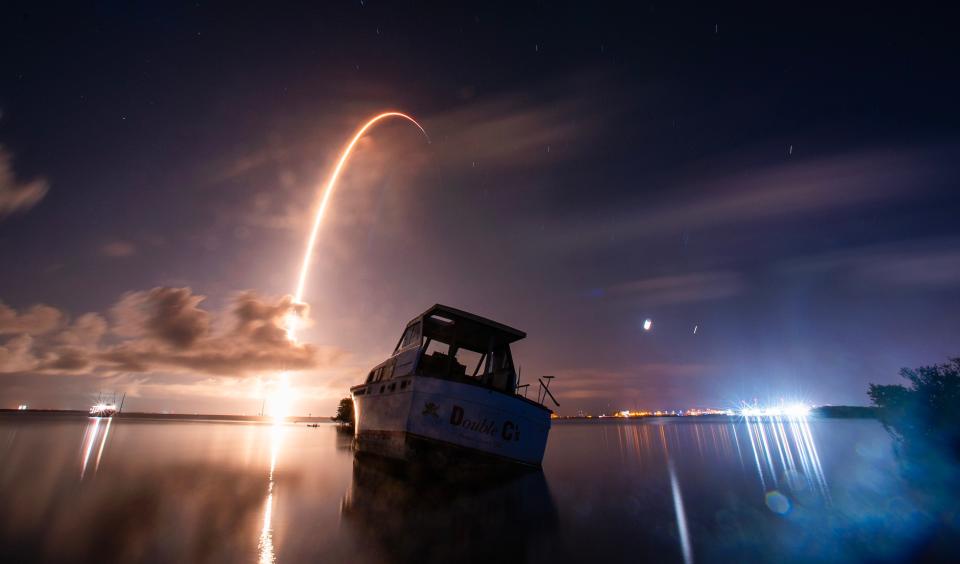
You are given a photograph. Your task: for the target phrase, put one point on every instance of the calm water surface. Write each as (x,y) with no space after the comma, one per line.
(74,489)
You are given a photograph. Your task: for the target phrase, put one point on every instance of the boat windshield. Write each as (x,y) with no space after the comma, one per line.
(462,349)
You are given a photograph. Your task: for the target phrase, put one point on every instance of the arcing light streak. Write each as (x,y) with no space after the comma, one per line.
(328,191)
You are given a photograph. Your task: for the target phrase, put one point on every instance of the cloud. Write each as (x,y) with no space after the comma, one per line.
(784,192)
(118,249)
(16,196)
(922,264)
(86,331)
(681,288)
(37,320)
(167,330)
(664,381)
(516,130)
(170,316)
(16,355)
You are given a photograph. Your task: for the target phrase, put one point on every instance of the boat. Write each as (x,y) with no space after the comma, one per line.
(449,393)
(104,409)
(101,409)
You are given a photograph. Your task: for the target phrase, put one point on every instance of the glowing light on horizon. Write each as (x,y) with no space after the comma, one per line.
(279,399)
(647,324)
(789,410)
(101,408)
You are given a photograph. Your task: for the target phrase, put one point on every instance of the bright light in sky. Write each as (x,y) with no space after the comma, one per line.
(647,324)
(280,399)
(292,322)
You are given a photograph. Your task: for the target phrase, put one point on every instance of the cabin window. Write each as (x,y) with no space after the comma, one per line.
(387,371)
(411,336)
(470,360)
(436,359)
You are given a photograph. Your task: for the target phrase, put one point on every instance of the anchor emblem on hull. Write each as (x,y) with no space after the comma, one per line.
(431,408)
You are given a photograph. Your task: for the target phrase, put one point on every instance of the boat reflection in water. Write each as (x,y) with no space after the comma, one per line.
(408,513)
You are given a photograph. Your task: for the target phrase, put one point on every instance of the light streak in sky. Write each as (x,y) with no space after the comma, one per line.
(281,400)
(325,200)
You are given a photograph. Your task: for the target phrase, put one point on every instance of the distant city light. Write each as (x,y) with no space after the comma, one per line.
(22,407)
(647,324)
(790,411)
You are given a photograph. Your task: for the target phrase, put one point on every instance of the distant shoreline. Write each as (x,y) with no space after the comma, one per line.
(822,412)
(169,416)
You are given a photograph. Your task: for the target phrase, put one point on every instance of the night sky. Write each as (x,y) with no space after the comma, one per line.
(783,182)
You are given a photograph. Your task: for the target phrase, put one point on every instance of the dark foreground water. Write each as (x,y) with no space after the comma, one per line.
(79,490)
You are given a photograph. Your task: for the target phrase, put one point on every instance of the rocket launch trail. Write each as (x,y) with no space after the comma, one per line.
(328,192)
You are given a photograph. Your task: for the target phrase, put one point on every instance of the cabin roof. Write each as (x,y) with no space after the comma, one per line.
(508,334)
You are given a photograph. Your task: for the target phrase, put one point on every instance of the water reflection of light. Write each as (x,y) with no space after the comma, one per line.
(89,439)
(795,451)
(779,451)
(265,544)
(681,515)
(103,442)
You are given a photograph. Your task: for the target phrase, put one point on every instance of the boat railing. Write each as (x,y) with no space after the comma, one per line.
(544,391)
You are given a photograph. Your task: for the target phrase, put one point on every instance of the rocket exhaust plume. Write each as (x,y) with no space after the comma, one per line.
(325,200)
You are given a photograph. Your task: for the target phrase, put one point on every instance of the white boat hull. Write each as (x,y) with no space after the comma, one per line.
(447,413)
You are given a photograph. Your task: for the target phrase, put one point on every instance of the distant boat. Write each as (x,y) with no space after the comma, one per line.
(103,409)
(449,391)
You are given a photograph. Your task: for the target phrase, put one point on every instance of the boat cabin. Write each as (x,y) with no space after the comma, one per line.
(451,344)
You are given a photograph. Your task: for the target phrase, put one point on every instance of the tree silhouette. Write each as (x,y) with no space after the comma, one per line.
(344,412)
(925,414)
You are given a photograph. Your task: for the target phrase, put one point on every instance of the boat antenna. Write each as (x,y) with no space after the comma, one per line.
(123,399)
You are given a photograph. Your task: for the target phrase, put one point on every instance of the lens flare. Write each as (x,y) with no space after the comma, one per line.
(328,191)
